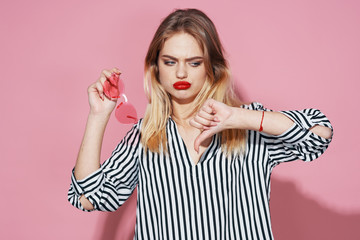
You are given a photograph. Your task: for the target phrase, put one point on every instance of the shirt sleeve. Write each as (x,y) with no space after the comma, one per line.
(298,142)
(111,185)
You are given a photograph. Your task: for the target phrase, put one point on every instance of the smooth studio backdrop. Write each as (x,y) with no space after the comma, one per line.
(284,54)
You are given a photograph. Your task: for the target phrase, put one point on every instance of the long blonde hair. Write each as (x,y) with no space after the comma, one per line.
(217,84)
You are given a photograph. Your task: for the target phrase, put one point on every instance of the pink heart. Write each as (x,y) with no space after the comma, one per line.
(126,113)
(113,87)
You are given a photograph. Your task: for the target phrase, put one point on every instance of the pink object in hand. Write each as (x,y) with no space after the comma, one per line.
(113,87)
(125,111)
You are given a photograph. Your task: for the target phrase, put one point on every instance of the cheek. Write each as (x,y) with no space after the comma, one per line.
(201,75)
(161,70)
(165,75)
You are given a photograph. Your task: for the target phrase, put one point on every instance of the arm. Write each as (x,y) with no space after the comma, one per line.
(215,117)
(88,160)
(274,123)
(108,187)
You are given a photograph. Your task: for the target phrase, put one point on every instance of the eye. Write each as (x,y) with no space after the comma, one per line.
(169,62)
(195,64)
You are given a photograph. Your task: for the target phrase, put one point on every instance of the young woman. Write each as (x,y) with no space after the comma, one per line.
(201,160)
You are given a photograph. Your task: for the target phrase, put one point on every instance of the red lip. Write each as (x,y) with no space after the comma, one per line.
(182,85)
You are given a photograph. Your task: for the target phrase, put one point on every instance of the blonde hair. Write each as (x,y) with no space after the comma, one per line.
(217,84)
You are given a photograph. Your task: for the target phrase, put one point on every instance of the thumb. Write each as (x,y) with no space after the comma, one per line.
(199,139)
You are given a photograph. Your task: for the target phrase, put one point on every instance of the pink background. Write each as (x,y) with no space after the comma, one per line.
(285,54)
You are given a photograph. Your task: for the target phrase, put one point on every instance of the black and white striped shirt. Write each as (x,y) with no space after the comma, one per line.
(218,198)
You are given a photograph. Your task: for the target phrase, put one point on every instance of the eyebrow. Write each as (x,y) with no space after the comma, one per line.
(187,59)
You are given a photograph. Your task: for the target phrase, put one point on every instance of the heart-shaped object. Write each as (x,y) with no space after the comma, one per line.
(126,113)
(113,87)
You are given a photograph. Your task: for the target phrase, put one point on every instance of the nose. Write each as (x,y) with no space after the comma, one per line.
(181,71)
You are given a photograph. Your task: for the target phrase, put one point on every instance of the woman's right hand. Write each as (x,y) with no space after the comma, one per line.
(100,104)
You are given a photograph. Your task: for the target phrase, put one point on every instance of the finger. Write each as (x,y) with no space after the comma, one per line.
(105,84)
(114,79)
(210,102)
(92,88)
(205,115)
(204,121)
(116,70)
(206,108)
(100,90)
(106,73)
(204,135)
(198,125)
(195,124)
(102,78)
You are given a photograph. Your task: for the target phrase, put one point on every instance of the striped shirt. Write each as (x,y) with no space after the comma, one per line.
(218,198)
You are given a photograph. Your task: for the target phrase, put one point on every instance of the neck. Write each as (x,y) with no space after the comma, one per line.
(181,111)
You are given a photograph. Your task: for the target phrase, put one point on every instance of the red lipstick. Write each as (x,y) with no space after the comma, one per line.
(182,85)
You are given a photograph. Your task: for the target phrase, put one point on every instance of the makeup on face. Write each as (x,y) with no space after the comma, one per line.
(182,71)
(192,61)
(182,85)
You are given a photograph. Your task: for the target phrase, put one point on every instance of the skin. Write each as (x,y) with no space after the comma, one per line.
(179,60)
(88,159)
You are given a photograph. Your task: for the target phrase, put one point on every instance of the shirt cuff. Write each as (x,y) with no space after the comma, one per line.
(303,121)
(89,184)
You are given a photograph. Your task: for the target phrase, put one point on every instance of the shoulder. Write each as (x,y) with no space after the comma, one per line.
(139,123)
(136,127)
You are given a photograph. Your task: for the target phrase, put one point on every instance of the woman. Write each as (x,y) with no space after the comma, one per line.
(201,160)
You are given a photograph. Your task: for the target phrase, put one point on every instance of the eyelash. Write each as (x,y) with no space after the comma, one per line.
(169,63)
(193,64)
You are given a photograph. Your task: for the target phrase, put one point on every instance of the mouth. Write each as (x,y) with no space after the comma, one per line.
(181,85)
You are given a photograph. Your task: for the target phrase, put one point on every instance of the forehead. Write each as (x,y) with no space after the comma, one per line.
(181,45)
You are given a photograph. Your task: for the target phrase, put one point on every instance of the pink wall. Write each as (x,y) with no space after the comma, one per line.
(285,54)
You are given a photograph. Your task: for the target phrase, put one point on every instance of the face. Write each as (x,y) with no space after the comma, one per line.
(181,67)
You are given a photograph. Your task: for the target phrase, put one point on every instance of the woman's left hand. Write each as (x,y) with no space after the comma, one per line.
(213,117)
